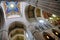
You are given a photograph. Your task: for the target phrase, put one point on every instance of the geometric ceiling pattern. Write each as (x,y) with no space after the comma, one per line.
(12,9)
(11,6)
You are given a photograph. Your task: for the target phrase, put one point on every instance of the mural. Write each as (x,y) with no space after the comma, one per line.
(12,9)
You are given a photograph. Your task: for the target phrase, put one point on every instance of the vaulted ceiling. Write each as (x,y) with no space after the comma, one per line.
(52,6)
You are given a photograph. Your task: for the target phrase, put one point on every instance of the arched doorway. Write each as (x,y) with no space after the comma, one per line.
(17,31)
(1,17)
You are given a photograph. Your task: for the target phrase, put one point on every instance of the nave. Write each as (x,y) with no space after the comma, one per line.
(20,20)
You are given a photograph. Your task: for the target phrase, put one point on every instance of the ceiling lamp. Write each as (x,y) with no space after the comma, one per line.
(50,18)
(47,37)
(12,5)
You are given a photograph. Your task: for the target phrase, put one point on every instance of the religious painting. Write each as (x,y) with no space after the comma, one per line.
(12,9)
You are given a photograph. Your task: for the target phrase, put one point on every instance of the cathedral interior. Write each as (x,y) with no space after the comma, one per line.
(29,19)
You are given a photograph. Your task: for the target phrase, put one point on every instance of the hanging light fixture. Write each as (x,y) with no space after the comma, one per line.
(50,18)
